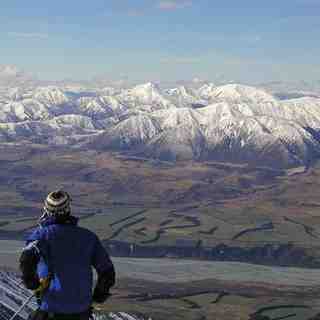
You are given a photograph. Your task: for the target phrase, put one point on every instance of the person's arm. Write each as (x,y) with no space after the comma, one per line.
(29,260)
(106,273)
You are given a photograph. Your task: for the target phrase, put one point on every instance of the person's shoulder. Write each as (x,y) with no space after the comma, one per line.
(88,233)
(36,233)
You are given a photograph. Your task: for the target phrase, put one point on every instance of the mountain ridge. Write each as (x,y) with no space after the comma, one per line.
(232,122)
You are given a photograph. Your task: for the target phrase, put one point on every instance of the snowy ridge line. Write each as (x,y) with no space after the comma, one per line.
(234,123)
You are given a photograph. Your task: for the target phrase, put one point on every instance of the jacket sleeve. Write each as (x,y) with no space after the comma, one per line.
(29,259)
(105,270)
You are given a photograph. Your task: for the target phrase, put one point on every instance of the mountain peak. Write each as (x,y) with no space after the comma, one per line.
(238,93)
(51,95)
(149,86)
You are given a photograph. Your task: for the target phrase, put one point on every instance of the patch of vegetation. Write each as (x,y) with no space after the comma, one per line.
(142,212)
(124,227)
(264,227)
(210,231)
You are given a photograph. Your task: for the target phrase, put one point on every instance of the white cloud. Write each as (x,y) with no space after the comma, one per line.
(181,60)
(28,35)
(135,13)
(174,4)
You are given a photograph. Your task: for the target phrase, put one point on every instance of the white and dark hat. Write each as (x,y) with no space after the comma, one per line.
(57,203)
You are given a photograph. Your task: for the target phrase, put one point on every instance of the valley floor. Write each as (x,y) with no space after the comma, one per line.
(190,204)
(183,289)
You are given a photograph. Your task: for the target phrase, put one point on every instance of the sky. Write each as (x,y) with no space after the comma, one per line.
(163,40)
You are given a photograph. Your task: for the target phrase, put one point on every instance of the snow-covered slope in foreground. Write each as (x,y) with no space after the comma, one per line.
(234,123)
(12,295)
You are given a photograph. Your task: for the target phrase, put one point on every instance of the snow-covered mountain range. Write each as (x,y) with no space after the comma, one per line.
(232,122)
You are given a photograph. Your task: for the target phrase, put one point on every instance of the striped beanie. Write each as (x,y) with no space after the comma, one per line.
(57,203)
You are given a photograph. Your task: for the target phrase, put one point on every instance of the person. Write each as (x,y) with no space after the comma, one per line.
(57,264)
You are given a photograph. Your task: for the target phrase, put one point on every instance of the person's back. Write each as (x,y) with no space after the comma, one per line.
(64,253)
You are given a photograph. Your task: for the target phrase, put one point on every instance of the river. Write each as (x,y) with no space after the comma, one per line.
(171,270)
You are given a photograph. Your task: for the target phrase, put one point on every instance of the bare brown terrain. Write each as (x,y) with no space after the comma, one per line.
(187,204)
(163,202)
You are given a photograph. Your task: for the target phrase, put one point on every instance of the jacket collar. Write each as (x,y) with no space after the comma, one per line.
(51,220)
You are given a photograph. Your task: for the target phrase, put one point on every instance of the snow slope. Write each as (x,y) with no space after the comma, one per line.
(12,295)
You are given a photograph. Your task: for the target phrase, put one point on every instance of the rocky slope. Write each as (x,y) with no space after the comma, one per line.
(233,122)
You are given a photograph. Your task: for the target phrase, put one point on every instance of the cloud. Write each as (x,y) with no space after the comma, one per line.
(181,60)
(130,12)
(135,13)
(28,35)
(148,9)
(171,5)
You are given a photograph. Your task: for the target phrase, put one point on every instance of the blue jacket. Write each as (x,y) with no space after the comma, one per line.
(68,252)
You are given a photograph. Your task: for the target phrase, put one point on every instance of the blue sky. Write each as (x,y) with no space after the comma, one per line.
(248,40)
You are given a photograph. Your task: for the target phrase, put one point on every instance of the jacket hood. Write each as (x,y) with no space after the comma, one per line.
(65,220)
